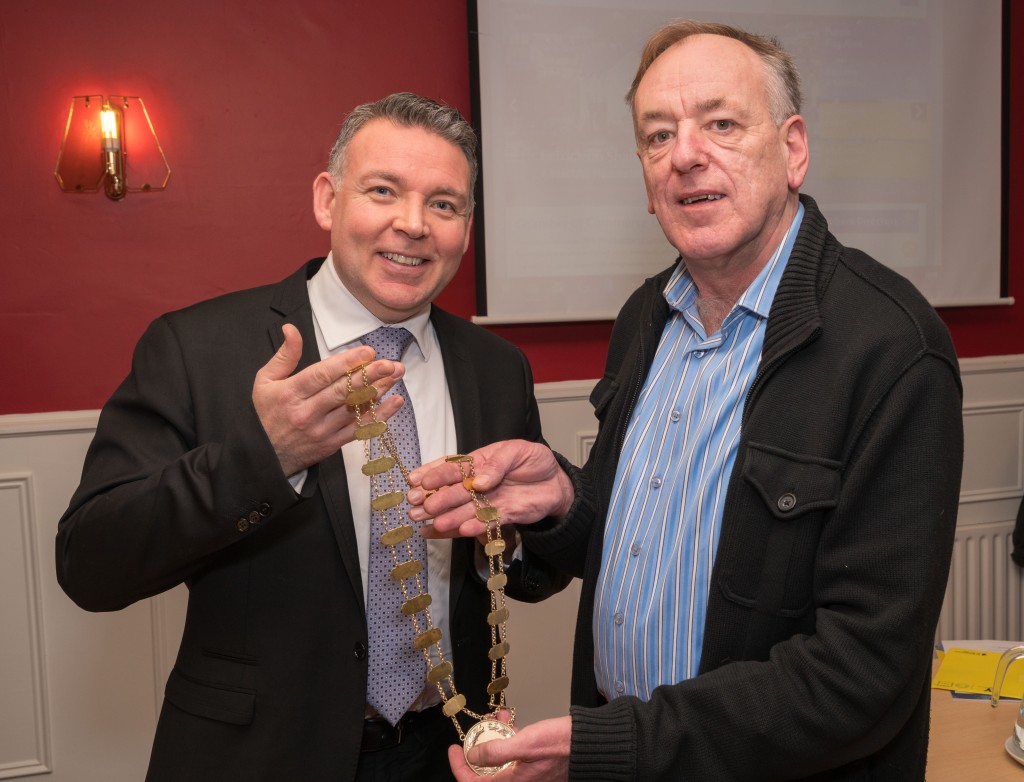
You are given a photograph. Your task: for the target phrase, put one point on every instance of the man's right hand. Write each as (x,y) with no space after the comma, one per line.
(520,477)
(305,415)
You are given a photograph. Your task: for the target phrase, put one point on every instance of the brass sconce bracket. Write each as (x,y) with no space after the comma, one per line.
(110,143)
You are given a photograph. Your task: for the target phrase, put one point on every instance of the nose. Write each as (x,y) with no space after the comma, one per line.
(411,218)
(688,149)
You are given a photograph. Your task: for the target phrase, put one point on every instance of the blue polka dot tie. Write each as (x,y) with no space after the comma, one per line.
(397,671)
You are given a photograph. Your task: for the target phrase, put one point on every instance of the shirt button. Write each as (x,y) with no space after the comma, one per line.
(619,619)
(676,415)
(787,502)
(620,687)
(655,482)
(698,354)
(635,549)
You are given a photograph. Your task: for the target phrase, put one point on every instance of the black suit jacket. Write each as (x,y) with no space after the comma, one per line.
(181,484)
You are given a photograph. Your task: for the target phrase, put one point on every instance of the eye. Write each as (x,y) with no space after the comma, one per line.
(659,138)
(382,190)
(449,208)
(722,124)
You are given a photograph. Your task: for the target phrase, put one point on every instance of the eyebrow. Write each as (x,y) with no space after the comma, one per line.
(701,107)
(387,176)
(711,104)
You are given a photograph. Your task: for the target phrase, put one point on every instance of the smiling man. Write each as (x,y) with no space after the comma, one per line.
(226,461)
(765,521)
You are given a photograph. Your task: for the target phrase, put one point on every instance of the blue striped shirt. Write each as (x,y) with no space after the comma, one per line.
(666,506)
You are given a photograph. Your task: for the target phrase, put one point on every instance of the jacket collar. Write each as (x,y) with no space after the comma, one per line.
(794,316)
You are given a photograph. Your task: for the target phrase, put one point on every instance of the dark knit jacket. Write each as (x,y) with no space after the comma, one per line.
(835,545)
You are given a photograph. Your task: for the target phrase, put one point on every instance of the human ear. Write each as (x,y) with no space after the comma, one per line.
(797,151)
(324,194)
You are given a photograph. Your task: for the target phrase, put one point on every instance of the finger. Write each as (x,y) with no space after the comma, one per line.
(416,476)
(333,372)
(335,399)
(340,422)
(334,396)
(470,528)
(449,509)
(284,361)
(436,474)
(460,768)
(444,498)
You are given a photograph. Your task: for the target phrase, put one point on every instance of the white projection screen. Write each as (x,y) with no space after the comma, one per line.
(903,102)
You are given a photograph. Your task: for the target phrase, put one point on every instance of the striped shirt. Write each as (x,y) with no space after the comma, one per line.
(665,513)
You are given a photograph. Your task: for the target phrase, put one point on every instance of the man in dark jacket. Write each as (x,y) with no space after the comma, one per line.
(765,521)
(226,461)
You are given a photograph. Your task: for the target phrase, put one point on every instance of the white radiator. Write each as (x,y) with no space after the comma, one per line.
(985,589)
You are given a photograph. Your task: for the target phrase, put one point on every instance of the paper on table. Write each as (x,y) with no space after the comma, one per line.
(988,645)
(973,670)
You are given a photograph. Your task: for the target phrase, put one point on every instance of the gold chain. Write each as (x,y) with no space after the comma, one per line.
(381,456)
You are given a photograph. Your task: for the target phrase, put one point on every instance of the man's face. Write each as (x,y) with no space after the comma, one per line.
(721,177)
(399,217)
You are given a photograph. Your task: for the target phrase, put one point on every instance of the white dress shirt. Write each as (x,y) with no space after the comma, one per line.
(340,320)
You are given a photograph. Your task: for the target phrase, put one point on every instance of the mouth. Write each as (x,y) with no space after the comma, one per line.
(403,260)
(697,199)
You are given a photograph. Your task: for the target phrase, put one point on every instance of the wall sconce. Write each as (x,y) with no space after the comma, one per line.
(110,142)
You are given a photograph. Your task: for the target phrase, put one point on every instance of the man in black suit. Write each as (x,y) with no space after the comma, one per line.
(226,461)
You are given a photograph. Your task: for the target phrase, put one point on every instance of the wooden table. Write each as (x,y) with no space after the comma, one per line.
(967,740)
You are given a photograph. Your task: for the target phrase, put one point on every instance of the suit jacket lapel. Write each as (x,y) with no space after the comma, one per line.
(291,302)
(461,374)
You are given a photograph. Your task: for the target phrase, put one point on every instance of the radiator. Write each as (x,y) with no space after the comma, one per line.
(984,594)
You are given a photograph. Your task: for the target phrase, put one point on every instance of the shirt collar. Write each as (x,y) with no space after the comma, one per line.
(343,319)
(680,291)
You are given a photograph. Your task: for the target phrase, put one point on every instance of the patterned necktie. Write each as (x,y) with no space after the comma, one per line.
(397,671)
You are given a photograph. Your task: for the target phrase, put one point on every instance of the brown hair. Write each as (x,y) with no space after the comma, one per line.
(781,77)
(413,111)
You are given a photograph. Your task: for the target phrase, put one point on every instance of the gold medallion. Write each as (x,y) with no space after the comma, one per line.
(481,733)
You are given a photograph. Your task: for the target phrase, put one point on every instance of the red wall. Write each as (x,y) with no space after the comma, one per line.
(246,98)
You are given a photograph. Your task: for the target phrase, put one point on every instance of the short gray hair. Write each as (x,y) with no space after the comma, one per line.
(781,77)
(411,111)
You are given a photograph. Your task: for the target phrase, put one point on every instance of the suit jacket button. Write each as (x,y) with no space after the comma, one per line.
(242,524)
(359,650)
(254,517)
(264,509)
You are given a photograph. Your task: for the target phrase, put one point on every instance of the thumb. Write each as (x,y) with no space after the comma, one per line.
(493,754)
(284,361)
(497,461)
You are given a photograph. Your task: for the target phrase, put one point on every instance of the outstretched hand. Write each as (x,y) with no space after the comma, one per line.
(540,752)
(519,477)
(305,414)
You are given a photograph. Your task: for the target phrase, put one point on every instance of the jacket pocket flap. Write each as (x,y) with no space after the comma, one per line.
(208,700)
(791,484)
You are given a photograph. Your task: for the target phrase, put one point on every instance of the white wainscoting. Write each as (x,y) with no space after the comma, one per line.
(79,692)
(985,590)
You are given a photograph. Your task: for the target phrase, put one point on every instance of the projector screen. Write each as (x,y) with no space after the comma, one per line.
(903,103)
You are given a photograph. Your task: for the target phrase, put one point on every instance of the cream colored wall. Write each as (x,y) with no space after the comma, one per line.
(79,692)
